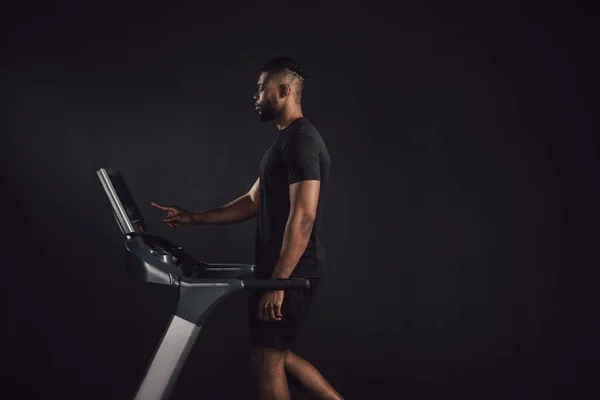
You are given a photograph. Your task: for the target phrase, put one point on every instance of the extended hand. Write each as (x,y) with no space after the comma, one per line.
(269,307)
(176,216)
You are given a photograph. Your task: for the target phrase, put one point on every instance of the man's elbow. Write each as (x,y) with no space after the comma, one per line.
(309,218)
(305,222)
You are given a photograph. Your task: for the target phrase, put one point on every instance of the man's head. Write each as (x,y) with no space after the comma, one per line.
(279,87)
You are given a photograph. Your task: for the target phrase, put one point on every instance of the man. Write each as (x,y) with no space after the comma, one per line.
(289,238)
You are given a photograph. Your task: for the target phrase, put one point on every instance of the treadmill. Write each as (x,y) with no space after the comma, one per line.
(200,286)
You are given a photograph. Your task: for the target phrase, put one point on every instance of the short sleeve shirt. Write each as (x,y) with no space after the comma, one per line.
(298,153)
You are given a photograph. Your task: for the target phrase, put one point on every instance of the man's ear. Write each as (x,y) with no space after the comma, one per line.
(284,90)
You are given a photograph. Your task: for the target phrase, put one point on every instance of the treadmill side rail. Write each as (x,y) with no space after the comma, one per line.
(223,270)
(198,297)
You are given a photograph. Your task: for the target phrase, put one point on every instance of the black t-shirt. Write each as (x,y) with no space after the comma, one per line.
(298,153)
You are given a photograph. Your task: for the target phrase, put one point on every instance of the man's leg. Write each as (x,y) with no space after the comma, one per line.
(277,337)
(310,377)
(269,366)
(303,374)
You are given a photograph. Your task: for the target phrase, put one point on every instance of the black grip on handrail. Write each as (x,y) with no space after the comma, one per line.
(276,284)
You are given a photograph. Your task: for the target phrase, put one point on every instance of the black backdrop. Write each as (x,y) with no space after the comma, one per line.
(459,228)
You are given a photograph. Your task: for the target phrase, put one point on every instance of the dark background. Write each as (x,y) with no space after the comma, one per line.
(460,219)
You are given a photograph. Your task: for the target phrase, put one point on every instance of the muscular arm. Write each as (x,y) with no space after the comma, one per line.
(239,210)
(304,197)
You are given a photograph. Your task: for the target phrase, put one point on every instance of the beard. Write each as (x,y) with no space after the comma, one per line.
(269,111)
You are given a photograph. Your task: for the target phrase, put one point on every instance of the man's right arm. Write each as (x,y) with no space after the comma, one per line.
(239,210)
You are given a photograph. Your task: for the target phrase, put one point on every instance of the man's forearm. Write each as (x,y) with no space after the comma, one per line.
(241,209)
(295,239)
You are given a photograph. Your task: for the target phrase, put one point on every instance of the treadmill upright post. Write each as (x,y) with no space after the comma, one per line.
(168,359)
(197,298)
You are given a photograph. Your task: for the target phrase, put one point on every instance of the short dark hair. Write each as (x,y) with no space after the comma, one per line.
(287,66)
(283,64)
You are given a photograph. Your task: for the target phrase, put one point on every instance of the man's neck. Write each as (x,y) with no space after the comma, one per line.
(286,118)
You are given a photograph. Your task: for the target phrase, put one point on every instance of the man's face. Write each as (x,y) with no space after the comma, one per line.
(266,98)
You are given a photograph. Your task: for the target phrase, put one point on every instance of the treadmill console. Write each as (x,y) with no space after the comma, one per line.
(150,258)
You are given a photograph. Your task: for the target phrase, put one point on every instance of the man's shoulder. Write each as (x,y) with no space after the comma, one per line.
(306,134)
(305,127)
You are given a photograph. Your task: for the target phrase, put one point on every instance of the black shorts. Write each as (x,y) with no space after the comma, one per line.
(280,334)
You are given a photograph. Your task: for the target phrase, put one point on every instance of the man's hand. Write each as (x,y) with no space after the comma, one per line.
(269,307)
(175,216)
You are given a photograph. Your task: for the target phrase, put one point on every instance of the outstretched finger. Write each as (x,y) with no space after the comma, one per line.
(165,208)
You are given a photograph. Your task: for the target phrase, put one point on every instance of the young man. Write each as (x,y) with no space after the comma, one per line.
(289,238)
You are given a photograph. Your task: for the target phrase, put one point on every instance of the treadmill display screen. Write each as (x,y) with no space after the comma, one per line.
(128,216)
(129,205)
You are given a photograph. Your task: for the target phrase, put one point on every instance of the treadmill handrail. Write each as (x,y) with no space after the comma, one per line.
(276,284)
(249,284)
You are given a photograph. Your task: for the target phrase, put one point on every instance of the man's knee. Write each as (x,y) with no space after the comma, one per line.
(288,356)
(268,358)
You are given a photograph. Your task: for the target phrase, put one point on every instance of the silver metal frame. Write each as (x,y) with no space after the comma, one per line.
(118,209)
(168,359)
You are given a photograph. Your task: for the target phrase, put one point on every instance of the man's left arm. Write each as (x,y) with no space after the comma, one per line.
(301,158)
(304,198)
